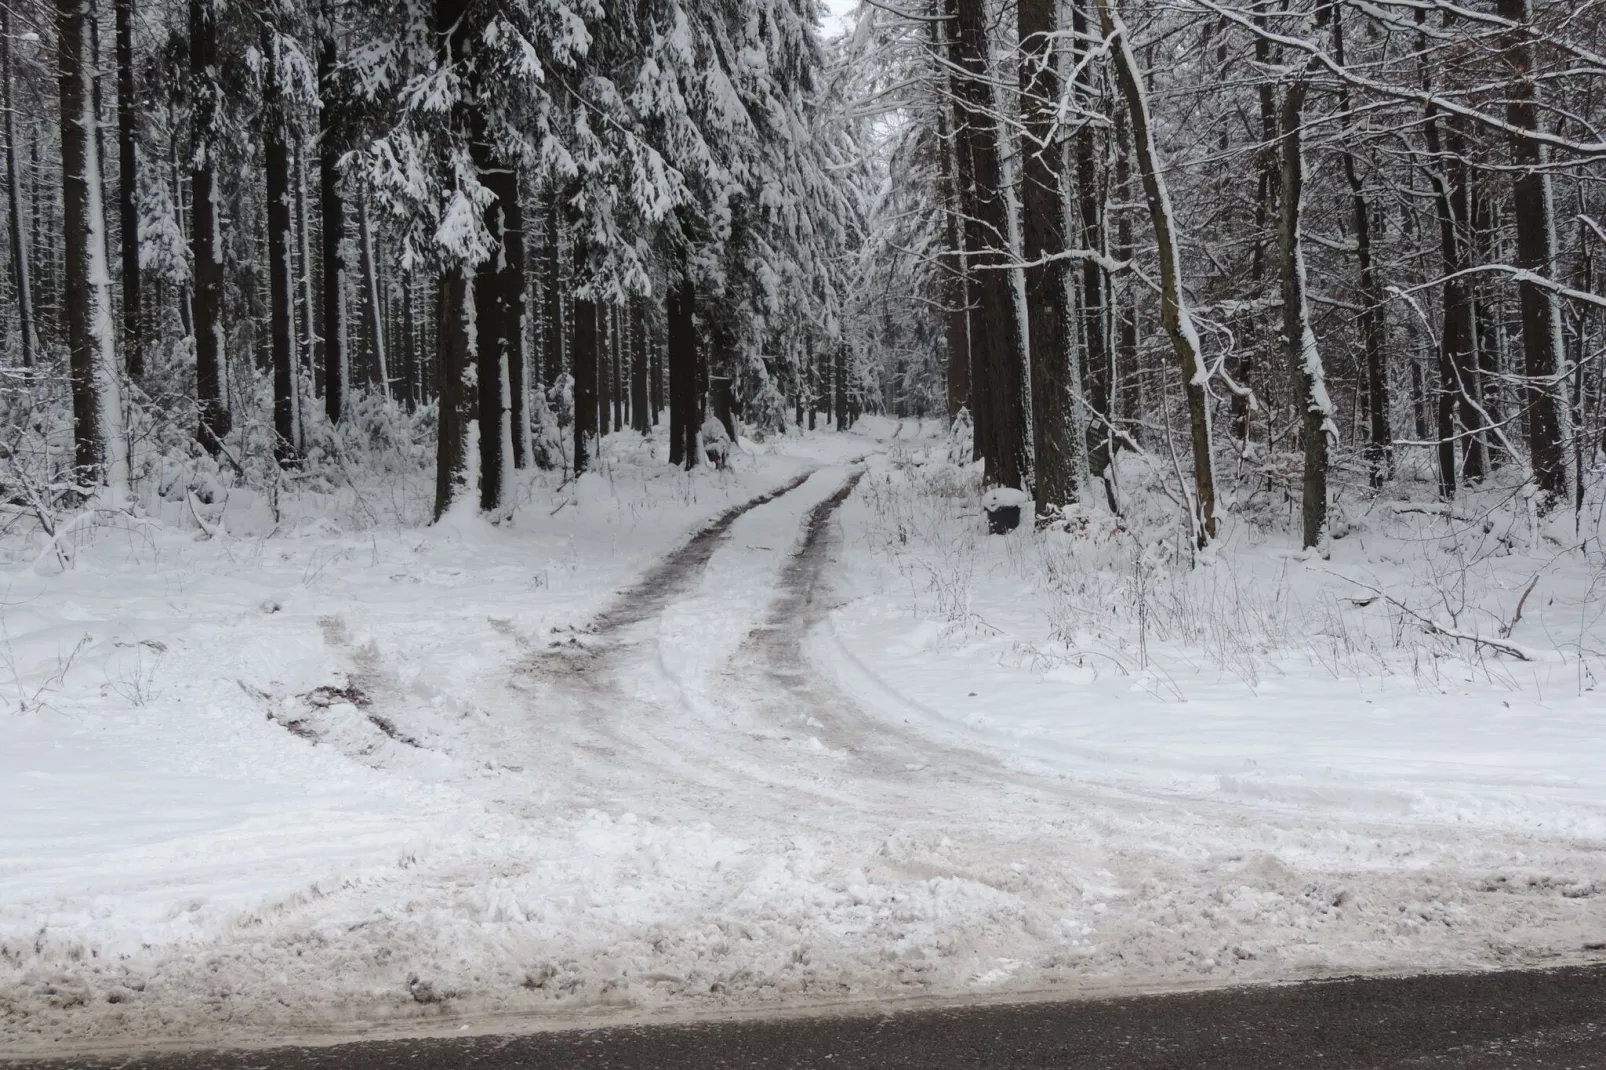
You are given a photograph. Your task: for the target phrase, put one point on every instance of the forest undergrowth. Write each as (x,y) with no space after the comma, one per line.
(1487,594)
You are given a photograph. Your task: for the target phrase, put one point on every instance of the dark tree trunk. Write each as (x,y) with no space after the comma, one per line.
(551,293)
(617,386)
(454,363)
(206,249)
(464,324)
(640,411)
(1048,315)
(336,347)
(586,358)
(683,424)
(77,160)
(128,212)
(1456,355)
(499,321)
(515,286)
(281,293)
(840,379)
(21,262)
(1098,372)
(1541,327)
(1380,438)
(655,379)
(999,339)
(976,324)
(604,369)
(1125,386)
(1268,200)
(309,331)
(409,357)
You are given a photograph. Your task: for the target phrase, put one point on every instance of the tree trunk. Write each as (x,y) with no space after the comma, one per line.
(127,120)
(498,321)
(1098,372)
(955,284)
(1535,226)
(1125,388)
(281,294)
(683,424)
(1380,437)
(655,379)
(309,330)
(617,385)
(640,411)
(21,261)
(1456,354)
(372,308)
(206,247)
(586,358)
(1174,314)
(409,356)
(100,447)
(551,293)
(454,364)
(1048,313)
(999,338)
(1304,359)
(840,379)
(336,340)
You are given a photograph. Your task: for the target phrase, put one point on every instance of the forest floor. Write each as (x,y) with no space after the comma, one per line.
(797,734)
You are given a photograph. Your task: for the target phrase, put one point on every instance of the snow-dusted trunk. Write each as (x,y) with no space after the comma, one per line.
(336,347)
(308,336)
(21,264)
(373,308)
(1174,314)
(956,328)
(1304,358)
(281,292)
(206,246)
(512,285)
(1457,357)
(101,447)
(1531,202)
(997,343)
(1049,328)
(498,301)
(128,168)
(551,292)
(1126,386)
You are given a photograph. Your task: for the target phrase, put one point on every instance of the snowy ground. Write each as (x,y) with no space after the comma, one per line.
(588,765)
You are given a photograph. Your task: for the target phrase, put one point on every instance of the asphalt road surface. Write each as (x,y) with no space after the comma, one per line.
(1518,1020)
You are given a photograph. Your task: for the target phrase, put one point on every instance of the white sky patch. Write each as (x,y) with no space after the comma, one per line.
(838,16)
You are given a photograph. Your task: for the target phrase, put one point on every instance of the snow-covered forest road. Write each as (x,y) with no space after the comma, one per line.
(677,772)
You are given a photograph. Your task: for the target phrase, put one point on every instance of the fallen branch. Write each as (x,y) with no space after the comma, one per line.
(1432,627)
(1516,618)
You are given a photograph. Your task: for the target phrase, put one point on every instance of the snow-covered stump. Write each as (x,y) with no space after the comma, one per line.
(1002,506)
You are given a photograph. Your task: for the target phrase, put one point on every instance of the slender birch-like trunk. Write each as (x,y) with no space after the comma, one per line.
(1175,317)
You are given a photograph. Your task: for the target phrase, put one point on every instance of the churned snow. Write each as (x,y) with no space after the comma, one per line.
(351,772)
